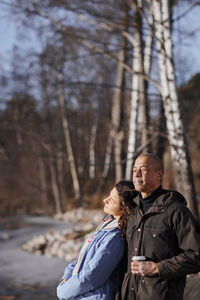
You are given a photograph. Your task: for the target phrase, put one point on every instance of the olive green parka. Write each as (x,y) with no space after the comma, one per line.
(169,235)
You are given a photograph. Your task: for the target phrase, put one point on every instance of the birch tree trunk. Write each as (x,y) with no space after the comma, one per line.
(142,93)
(149,44)
(60,166)
(68,143)
(92,152)
(107,160)
(50,147)
(115,136)
(43,185)
(139,107)
(115,118)
(54,183)
(133,117)
(178,146)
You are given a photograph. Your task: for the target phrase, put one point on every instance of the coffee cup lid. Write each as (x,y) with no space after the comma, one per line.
(138,258)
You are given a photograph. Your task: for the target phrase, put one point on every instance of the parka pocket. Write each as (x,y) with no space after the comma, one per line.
(158,242)
(152,288)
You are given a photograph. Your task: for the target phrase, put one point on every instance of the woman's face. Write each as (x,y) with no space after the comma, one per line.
(112,204)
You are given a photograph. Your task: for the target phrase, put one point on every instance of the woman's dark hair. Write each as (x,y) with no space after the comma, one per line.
(126,193)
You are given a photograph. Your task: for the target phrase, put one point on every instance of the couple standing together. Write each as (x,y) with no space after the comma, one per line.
(142,219)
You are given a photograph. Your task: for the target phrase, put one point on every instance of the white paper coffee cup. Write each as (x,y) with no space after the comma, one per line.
(138,258)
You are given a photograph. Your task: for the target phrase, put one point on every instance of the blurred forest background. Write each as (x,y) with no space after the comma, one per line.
(102,82)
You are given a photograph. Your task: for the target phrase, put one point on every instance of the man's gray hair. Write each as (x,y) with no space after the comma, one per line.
(156,159)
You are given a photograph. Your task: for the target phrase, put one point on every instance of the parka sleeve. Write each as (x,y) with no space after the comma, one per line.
(69,269)
(188,236)
(97,271)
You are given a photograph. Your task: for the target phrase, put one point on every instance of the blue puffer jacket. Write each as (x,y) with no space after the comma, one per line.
(99,267)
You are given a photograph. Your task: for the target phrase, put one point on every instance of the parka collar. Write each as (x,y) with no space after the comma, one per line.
(163,200)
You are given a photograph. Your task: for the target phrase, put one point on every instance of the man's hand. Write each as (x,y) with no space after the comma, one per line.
(64,279)
(144,268)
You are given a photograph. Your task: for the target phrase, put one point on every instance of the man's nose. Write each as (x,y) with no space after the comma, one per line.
(137,173)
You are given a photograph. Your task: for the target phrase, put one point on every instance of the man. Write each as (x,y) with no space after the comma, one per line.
(162,229)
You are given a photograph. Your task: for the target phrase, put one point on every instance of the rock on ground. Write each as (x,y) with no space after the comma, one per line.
(65,244)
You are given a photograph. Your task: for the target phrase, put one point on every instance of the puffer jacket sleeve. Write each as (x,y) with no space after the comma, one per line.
(97,271)
(188,235)
(69,269)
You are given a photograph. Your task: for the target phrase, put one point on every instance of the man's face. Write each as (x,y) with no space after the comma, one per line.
(146,177)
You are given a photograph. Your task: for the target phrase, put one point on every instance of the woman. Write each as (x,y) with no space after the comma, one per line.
(94,275)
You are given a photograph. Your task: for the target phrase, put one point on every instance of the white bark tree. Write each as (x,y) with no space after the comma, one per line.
(115,135)
(54,183)
(60,163)
(68,143)
(115,117)
(43,185)
(178,146)
(133,117)
(49,145)
(92,152)
(138,111)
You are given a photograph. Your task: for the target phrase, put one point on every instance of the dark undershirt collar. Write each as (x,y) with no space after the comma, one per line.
(146,203)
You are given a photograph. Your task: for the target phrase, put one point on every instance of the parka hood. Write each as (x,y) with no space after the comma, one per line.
(166,198)
(169,197)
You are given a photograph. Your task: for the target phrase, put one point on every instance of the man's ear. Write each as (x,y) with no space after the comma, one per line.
(160,175)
